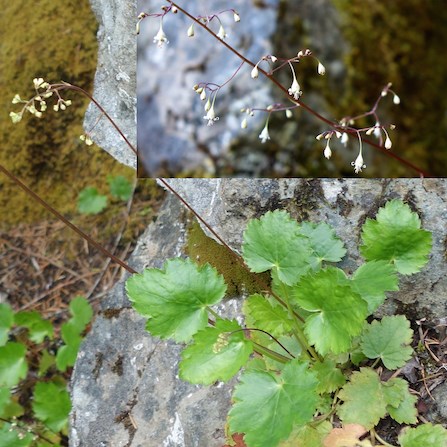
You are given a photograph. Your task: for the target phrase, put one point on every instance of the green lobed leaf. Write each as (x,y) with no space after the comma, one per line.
(325,243)
(66,355)
(307,435)
(51,405)
(9,437)
(274,242)
(82,313)
(372,279)
(389,340)
(120,187)
(330,378)
(337,312)
(215,353)
(395,236)
(267,405)
(363,399)
(175,298)
(13,366)
(401,404)
(267,314)
(5,397)
(426,435)
(90,201)
(38,328)
(6,321)
(46,361)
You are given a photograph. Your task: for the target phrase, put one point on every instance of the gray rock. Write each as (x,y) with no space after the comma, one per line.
(115,79)
(125,387)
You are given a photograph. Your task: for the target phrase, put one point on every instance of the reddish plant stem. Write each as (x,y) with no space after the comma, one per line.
(85,236)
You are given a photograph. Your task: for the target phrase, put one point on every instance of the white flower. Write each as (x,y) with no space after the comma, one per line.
(388,143)
(264,135)
(15,117)
(273,58)
(344,138)
(211,116)
(244,123)
(289,113)
(191,30)
(37,82)
(358,164)
(16,99)
(294,89)
(160,38)
(377,130)
(255,72)
(321,69)
(203,95)
(222,34)
(236,17)
(327,150)
(396,99)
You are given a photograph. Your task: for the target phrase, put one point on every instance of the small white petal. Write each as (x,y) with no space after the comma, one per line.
(191,30)
(264,135)
(396,99)
(255,72)
(321,69)
(388,143)
(344,139)
(327,151)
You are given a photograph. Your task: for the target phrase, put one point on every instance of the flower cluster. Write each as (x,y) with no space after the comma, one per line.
(345,128)
(209,105)
(38,104)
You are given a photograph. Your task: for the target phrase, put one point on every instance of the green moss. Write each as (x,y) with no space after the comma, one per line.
(402,42)
(55,41)
(203,249)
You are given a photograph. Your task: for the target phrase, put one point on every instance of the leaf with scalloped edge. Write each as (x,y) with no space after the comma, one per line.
(396,236)
(175,298)
(307,435)
(267,405)
(363,399)
(216,353)
(38,328)
(389,340)
(401,404)
(10,437)
(13,365)
(274,242)
(426,435)
(330,377)
(372,279)
(337,312)
(325,243)
(267,314)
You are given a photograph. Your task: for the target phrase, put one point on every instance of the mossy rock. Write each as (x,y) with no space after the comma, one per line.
(55,41)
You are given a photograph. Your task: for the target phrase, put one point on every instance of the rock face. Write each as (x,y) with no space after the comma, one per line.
(115,79)
(125,388)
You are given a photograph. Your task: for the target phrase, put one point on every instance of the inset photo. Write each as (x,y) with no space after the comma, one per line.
(291,89)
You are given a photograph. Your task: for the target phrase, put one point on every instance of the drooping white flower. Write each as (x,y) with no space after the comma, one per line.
(358,163)
(160,38)
(222,34)
(191,30)
(321,69)
(255,72)
(211,116)
(264,135)
(327,150)
(295,89)
(344,138)
(236,16)
(244,123)
(377,130)
(396,99)
(289,113)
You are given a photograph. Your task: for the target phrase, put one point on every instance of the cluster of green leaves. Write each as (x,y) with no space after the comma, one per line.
(32,362)
(307,349)
(90,201)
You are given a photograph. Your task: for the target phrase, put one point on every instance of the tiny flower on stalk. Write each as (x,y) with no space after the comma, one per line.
(191,30)
(264,135)
(344,138)
(294,89)
(255,72)
(327,150)
(236,16)
(211,114)
(396,99)
(86,139)
(222,34)
(321,69)
(160,38)
(388,142)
